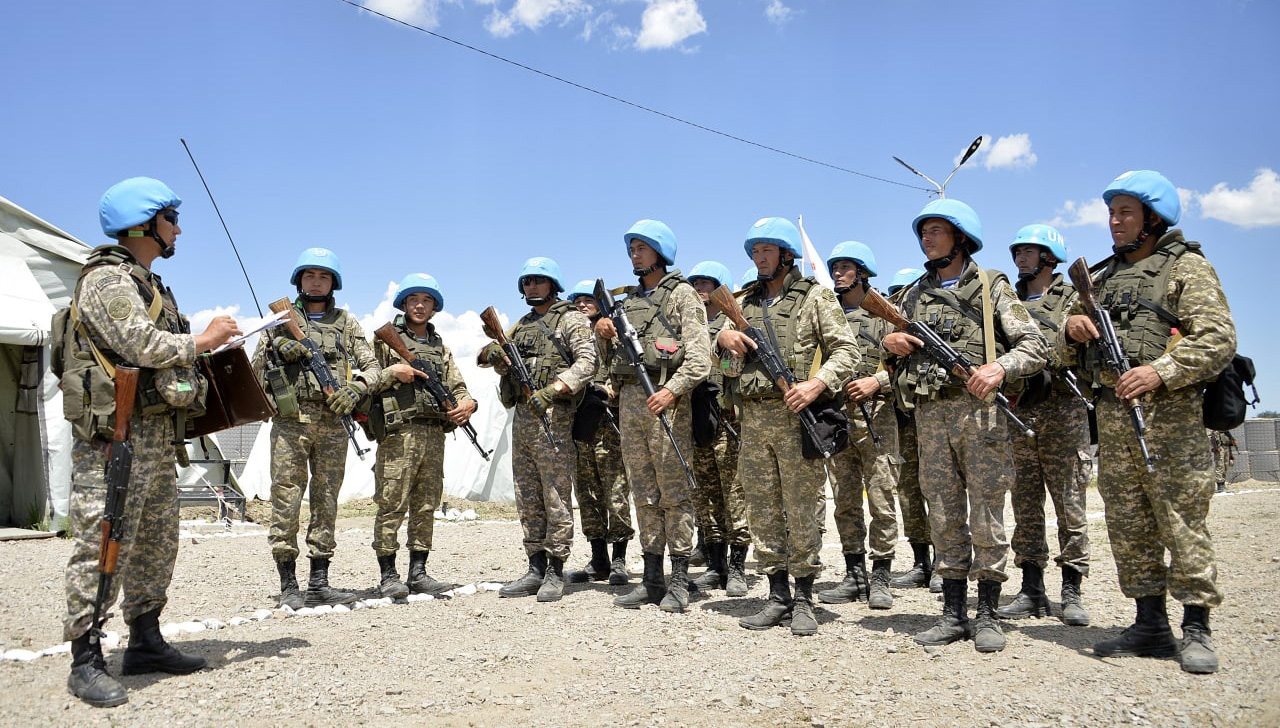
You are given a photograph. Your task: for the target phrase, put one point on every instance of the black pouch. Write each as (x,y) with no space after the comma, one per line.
(1035,389)
(586,419)
(705,400)
(832,427)
(1224,400)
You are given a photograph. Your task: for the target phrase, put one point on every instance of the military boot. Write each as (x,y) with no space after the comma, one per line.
(1031,600)
(618,566)
(318,590)
(389,584)
(651,590)
(935,579)
(988,635)
(597,569)
(698,557)
(736,582)
(89,679)
(1197,654)
(1148,636)
(921,569)
(552,588)
(803,621)
(148,652)
(879,597)
(677,597)
(1073,611)
(531,582)
(290,594)
(717,574)
(954,625)
(777,609)
(854,586)
(419,581)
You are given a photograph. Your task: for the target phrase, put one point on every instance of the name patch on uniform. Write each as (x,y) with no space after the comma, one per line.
(119,308)
(105,281)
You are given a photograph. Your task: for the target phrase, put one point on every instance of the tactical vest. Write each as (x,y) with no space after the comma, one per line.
(329,333)
(798,355)
(541,352)
(409,401)
(1135,294)
(867,331)
(660,345)
(1049,312)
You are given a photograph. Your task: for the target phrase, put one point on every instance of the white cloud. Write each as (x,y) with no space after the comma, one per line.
(383,313)
(424,13)
(1007,152)
(533,14)
(1258,205)
(777,13)
(666,23)
(1076,214)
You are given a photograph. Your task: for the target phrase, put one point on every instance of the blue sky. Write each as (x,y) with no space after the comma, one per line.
(317,123)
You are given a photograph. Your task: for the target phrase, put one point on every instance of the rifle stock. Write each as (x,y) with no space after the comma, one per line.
(493,329)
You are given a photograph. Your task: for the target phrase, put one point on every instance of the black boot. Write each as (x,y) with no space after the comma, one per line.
(699,555)
(290,594)
(777,608)
(318,590)
(1073,611)
(1197,654)
(803,621)
(552,588)
(89,679)
(879,596)
(677,597)
(954,625)
(389,584)
(717,574)
(148,652)
(935,579)
(651,590)
(597,569)
(618,566)
(735,584)
(921,569)
(1031,600)
(419,581)
(531,582)
(988,635)
(1148,636)
(855,585)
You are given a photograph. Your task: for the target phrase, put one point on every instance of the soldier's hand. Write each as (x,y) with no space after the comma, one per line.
(405,373)
(492,354)
(660,401)
(605,328)
(542,399)
(216,334)
(984,380)
(802,394)
(1080,329)
(1137,382)
(461,414)
(859,390)
(289,349)
(900,343)
(735,341)
(344,399)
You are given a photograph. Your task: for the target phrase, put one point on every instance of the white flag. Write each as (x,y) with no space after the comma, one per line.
(816,264)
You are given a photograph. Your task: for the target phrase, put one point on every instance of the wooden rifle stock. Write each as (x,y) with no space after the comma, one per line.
(878,306)
(493,329)
(724,300)
(291,321)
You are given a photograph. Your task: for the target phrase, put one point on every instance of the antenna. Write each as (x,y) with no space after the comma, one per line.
(942,188)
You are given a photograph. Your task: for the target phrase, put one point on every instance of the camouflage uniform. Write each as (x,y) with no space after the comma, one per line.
(1220,443)
(604,496)
(722,511)
(313,440)
(911,502)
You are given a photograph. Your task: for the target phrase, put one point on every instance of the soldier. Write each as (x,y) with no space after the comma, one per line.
(123,315)
(780,485)
(1057,459)
(307,434)
(555,343)
(866,463)
(1222,443)
(671,324)
(1156,284)
(409,471)
(965,458)
(722,510)
(604,497)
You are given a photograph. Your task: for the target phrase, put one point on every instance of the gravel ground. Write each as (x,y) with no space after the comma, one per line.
(480,660)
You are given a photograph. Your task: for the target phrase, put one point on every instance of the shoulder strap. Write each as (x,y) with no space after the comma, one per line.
(988,317)
(153,312)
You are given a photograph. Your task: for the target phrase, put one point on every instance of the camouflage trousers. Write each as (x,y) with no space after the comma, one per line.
(864,464)
(1149,513)
(604,497)
(664,499)
(721,508)
(1056,460)
(408,479)
(148,527)
(544,479)
(314,441)
(1221,460)
(781,488)
(911,503)
(966,469)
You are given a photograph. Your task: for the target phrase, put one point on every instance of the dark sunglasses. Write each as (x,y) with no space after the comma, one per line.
(170,215)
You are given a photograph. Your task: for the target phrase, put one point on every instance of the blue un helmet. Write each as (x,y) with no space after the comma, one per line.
(711,270)
(1152,189)
(955,212)
(656,235)
(857,252)
(418,283)
(751,275)
(582,288)
(321,258)
(904,277)
(540,266)
(777,231)
(133,202)
(1045,236)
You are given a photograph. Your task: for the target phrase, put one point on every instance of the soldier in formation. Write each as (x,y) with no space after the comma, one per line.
(1221,444)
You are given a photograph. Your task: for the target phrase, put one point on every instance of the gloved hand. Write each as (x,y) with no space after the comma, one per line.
(345,399)
(541,400)
(492,353)
(289,349)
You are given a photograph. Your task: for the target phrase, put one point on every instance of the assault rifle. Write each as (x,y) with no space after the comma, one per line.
(119,465)
(629,341)
(866,417)
(781,374)
(1073,384)
(315,363)
(493,329)
(445,400)
(938,350)
(1108,343)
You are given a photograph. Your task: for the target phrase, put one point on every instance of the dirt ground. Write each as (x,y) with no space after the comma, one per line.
(480,660)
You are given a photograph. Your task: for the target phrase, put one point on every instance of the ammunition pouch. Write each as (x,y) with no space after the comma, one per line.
(705,401)
(832,428)
(281,391)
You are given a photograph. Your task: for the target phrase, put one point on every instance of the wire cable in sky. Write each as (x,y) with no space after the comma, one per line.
(633,104)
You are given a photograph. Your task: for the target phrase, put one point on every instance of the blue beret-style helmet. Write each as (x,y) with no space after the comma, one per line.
(717,272)
(582,288)
(777,231)
(418,283)
(133,202)
(1152,189)
(855,251)
(955,212)
(321,258)
(539,266)
(1043,235)
(904,277)
(657,236)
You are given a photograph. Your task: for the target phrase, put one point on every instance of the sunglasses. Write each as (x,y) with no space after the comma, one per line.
(170,215)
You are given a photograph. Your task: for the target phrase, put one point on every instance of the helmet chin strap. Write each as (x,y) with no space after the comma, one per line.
(783,266)
(326,298)
(1142,236)
(858,281)
(642,272)
(1044,260)
(538,301)
(943,262)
